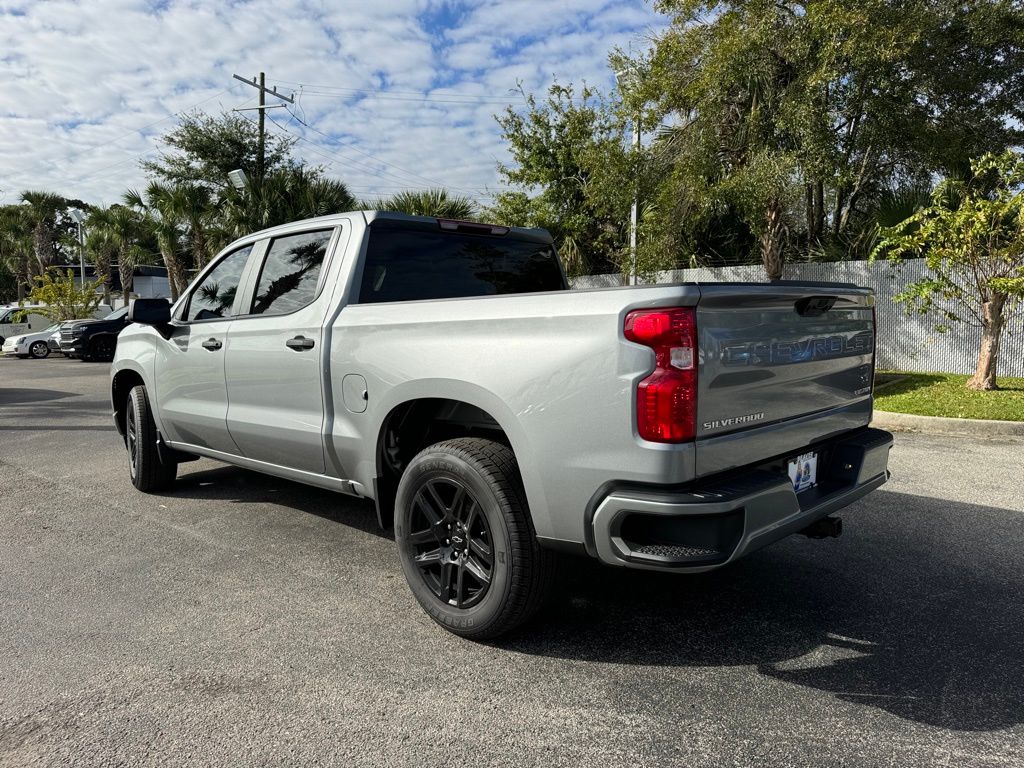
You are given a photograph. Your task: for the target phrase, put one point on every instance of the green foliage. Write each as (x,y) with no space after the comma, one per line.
(972,238)
(62,297)
(574,175)
(203,148)
(286,194)
(798,118)
(937,394)
(430,202)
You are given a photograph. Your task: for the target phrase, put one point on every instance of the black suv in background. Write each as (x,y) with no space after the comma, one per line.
(93,340)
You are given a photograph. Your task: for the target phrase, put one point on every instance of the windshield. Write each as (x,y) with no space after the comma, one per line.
(117,315)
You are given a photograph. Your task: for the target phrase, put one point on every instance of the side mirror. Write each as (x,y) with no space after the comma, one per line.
(149,311)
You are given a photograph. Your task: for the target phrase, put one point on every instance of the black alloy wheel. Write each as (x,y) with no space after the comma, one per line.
(452,542)
(131,441)
(102,348)
(466,541)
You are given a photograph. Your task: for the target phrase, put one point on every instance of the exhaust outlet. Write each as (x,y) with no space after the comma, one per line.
(825,528)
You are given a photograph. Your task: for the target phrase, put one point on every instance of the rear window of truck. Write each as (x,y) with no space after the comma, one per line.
(409,264)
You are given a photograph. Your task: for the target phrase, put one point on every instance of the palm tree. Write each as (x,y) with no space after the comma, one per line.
(430,202)
(42,210)
(116,232)
(16,244)
(160,216)
(101,245)
(287,194)
(193,207)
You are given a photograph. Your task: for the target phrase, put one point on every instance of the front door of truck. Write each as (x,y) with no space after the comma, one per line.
(275,356)
(192,396)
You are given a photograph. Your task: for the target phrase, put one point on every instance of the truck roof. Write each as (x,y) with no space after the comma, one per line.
(373,215)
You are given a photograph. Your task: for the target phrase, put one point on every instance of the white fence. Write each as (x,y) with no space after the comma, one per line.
(906,343)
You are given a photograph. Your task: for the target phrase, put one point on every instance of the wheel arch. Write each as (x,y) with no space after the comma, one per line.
(121,384)
(432,416)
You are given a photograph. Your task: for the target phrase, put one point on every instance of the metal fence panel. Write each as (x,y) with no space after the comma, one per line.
(905,342)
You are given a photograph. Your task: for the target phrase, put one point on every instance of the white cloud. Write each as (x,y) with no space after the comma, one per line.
(91,85)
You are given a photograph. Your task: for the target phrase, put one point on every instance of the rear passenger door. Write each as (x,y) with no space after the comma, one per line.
(273,363)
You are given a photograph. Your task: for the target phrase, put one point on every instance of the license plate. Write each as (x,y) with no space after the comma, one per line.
(803,471)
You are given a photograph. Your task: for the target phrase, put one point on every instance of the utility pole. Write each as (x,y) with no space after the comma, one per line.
(260,85)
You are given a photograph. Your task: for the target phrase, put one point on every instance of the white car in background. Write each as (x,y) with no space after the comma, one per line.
(30,344)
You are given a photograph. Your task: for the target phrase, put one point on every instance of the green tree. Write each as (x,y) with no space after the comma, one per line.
(163,217)
(122,234)
(42,209)
(972,238)
(203,148)
(61,297)
(16,255)
(285,195)
(573,175)
(429,202)
(797,116)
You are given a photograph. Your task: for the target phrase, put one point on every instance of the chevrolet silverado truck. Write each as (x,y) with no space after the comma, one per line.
(445,370)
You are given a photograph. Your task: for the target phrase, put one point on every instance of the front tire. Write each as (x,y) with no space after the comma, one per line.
(148,470)
(101,348)
(39,350)
(466,541)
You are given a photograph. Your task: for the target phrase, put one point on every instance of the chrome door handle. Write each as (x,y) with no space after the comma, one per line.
(212,344)
(300,343)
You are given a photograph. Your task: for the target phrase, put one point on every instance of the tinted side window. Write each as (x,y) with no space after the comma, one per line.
(213,297)
(290,273)
(409,264)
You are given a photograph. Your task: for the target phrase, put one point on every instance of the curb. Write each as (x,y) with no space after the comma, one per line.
(941,425)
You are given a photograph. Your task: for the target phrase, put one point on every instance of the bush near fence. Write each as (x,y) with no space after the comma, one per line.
(905,342)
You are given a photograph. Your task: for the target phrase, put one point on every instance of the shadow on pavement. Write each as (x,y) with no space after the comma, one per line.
(19,395)
(883,617)
(917,610)
(241,486)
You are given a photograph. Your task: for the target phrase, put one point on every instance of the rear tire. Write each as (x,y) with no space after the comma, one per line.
(466,541)
(148,470)
(39,350)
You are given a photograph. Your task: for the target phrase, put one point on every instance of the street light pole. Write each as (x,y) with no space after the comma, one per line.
(79,218)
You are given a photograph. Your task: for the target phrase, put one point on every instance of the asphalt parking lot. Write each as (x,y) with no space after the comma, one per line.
(244,620)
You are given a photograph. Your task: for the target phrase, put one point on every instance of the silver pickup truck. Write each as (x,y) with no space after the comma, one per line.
(445,370)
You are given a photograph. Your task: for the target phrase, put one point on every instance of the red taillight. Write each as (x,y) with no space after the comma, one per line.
(666,401)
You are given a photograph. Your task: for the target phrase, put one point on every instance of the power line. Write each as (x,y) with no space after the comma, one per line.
(452,97)
(81,152)
(406,171)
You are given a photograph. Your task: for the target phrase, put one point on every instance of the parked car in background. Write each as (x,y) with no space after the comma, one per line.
(93,340)
(53,340)
(13,324)
(30,344)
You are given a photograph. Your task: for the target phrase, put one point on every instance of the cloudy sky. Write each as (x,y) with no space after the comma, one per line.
(396,93)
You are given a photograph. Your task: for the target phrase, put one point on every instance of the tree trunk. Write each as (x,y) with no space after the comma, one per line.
(773,241)
(126,268)
(988,354)
(171,263)
(819,210)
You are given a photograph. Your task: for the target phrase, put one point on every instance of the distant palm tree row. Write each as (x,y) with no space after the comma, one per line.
(183,225)
(188,211)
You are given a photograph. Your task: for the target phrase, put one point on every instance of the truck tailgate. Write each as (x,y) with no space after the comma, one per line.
(782,365)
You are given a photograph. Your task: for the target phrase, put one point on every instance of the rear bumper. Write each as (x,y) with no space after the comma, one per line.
(709,525)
